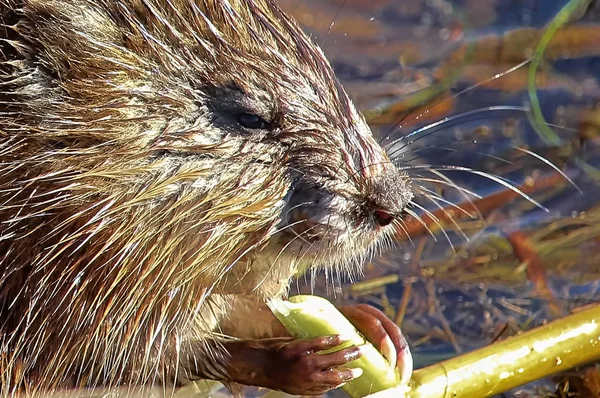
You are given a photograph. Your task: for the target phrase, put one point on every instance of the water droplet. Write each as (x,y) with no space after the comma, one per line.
(557,361)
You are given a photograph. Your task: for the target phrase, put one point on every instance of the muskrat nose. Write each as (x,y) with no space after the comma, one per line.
(386,196)
(383,218)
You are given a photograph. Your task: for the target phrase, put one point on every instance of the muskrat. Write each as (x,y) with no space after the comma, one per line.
(162,163)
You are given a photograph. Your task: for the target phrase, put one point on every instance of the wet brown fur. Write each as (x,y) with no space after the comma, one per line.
(128,221)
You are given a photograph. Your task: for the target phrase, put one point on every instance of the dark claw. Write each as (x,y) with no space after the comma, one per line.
(384,334)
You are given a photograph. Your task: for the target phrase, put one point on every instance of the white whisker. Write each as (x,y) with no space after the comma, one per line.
(420,220)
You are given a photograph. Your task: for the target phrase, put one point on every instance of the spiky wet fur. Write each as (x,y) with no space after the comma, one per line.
(133,209)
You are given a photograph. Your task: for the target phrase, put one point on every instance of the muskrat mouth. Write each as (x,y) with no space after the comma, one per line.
(316,218)
(330,222)
(306,227)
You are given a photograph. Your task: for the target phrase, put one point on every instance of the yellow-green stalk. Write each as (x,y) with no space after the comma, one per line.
(307,316)
(558,346)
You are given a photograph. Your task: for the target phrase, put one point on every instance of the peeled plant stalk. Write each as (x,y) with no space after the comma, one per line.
(307,316)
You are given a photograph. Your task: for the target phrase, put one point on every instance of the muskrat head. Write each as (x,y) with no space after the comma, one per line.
(278,95)
(281,97)
(192,136)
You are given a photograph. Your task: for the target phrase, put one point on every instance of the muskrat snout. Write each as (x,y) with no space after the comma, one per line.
(337,214)
(387,196)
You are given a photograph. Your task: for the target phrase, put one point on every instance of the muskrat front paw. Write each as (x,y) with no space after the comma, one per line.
(295,366)
(298,368)
(384,334)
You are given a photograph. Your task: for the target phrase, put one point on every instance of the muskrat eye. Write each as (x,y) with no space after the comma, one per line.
(251,121)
